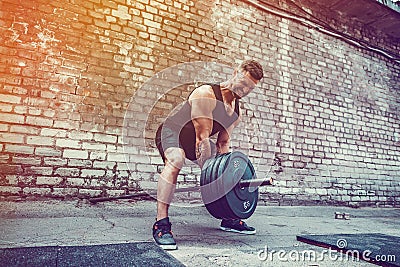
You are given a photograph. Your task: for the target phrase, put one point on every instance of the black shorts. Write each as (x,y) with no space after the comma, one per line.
(186,140)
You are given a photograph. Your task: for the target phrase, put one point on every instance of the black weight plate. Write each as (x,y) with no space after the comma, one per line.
(207,187)
(214,207)
(228,184)
(205,180)
(242,202)
(204,170)
(218,174)
(219,177)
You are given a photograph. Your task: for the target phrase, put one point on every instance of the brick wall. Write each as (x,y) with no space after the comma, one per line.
(324,123)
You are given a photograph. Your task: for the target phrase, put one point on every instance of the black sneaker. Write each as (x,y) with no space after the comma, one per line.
(162,234)
(237,226)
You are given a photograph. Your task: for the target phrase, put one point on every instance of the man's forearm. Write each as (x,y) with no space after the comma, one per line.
(223,147)
(203,151)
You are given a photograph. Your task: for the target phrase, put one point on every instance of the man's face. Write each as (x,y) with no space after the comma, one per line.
(243,84)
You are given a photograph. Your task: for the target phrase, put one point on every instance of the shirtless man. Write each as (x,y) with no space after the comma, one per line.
(210,109)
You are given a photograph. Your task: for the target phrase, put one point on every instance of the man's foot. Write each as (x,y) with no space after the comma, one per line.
(237,226)
(162,234)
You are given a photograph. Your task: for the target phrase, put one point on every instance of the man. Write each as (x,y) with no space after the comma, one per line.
(210,109)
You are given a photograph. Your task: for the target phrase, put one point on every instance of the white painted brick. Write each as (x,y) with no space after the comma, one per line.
(21,109)
(285,190)
(4,127)
(98,155)
(68,143)
(79,163)
(48,180)
(89,192)
(39,140)
(146,168)
(34,111)
(11,138)
(99,183)
(24,129)
(12,179)
(67,172)
(116,157)
(47,151)
(10,99)
(115,192)
(122,166)
(37,191)
(93,173)
(53,132)
(66,125)
(55,161)
(123,174)
(286,150)
(9,190)
(103,164)
(310,190)
(122,13)
(141,159)
(94,146)
(106,138)
(75,154)
(75,181)
(5,107)
(111,148)
(321,191)
(39,121)
(345,198)
(80,135)
(38,170)
(19,149)
(27,160)
(12,118)
(65,192)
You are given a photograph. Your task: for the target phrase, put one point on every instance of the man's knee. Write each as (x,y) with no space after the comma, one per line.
(175,157)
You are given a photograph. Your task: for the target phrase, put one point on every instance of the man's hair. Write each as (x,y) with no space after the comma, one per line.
(253,67)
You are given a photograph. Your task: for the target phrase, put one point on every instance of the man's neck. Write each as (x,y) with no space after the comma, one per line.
(227,94)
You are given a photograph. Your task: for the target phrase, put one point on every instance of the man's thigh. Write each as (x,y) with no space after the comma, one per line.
(167,141)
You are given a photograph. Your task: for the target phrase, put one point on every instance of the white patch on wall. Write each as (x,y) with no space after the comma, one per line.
(369,83)
(226,21)
(73,49)
(45,37)
(16,30)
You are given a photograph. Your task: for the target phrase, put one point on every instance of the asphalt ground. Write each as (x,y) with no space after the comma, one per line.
(200,241)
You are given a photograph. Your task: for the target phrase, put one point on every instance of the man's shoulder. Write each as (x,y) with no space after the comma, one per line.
(205,90)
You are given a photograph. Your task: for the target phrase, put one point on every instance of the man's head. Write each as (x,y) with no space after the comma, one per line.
(253,68)
(246,77)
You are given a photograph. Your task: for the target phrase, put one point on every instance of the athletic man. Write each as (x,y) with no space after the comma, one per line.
(210,109)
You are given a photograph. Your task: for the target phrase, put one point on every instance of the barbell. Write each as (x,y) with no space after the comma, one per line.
(228,186)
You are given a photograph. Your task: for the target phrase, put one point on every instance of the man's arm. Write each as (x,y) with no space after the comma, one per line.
(203,103)
(224,138)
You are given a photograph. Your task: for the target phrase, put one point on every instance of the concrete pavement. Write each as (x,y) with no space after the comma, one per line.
(200,242)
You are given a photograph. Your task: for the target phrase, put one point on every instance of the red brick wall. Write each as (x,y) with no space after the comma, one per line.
(69,69)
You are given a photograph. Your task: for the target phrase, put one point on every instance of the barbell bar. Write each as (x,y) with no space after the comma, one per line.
(243,183)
